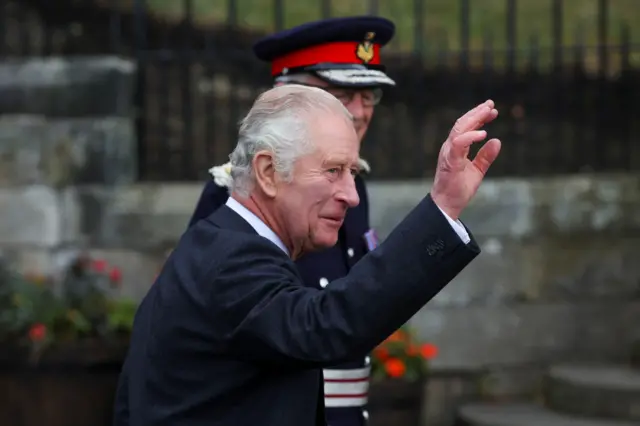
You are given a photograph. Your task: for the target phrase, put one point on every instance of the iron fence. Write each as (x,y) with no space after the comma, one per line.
(567,93)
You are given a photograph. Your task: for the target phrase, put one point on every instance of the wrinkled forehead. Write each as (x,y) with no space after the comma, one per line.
(333,135)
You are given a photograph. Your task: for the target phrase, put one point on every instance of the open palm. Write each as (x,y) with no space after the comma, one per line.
(457,177)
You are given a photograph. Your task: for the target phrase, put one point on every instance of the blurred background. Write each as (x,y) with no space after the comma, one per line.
(112,111)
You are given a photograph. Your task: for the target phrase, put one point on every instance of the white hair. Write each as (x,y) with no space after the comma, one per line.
(278,122)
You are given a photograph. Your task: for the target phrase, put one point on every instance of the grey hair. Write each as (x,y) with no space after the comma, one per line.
(278,122)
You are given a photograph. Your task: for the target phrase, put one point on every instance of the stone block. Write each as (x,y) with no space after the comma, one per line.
(511,382)
(145,217)
(522,414)
(146,231)
(554,268)
(550,267)
(518,208)
(69,87)
(600,391)
(446,390)
(38,216)
(40,261)
(479,336)
(64,152)
(139,269)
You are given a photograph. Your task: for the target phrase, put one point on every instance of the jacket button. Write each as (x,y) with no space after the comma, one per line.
(367,361)
(323,282)
(365,414)
(350,252)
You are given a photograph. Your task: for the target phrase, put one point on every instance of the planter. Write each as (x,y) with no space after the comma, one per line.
(395,403)
(71,385)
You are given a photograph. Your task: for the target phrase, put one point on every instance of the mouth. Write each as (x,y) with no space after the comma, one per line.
(335,221)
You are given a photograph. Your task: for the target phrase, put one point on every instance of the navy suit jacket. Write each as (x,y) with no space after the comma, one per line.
(234,338)
(318,269)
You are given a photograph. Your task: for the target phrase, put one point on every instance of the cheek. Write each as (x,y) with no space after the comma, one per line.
(317,198)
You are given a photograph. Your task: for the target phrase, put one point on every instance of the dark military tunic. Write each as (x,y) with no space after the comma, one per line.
(346,385)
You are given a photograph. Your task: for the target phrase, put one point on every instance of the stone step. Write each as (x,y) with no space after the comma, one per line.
(605,391)
(524,415)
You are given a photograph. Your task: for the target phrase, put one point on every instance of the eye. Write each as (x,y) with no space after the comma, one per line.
(342,95)
(355,172)
(333,170)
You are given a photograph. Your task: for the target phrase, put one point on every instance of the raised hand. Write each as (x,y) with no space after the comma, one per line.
(458,178)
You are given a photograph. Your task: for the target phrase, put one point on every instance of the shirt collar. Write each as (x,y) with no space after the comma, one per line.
(261,228)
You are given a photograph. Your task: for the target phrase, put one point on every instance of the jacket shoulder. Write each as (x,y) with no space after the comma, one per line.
(213,196)
(216,192)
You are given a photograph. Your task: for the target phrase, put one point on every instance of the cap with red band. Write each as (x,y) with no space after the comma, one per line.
(338,52)
(342,51)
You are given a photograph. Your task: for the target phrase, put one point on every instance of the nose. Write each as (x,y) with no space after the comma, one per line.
(348,193)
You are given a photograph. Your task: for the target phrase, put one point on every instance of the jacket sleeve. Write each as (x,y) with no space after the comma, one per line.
(266,315)
(212,197)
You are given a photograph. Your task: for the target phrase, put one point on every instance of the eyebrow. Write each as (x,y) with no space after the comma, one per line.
(340,163)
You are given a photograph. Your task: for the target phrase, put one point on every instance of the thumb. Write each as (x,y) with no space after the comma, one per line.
(487,155)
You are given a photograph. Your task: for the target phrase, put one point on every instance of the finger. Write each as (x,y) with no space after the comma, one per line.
(487,118)
(464,141)
(460,146)
(493,114)
(468,117)
(487,155)
(474,118)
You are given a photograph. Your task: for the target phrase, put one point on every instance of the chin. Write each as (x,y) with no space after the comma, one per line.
(325,242)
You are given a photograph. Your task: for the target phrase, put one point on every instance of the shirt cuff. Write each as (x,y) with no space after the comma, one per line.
(458,227)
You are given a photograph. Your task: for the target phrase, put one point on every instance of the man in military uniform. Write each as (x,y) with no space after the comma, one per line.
(341,56)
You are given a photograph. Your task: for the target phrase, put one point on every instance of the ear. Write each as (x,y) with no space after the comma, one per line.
(265,173)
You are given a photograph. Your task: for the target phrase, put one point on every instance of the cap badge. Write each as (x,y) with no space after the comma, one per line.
(364,51)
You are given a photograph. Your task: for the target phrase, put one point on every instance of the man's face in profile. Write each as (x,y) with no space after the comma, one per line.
(316,200)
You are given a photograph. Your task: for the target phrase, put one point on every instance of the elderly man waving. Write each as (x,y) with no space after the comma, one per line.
(233,337)
(342,56)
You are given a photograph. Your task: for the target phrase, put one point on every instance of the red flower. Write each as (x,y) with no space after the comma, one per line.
(115,276)
(429,351)
(37,332)
(99,265)
(395,368)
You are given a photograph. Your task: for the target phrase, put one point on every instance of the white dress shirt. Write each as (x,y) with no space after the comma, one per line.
(264,231)
(256,223)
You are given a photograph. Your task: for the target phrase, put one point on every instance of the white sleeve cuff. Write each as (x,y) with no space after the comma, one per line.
(458,227)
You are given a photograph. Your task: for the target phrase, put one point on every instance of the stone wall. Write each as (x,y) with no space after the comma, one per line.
(64,125)
(558,278)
